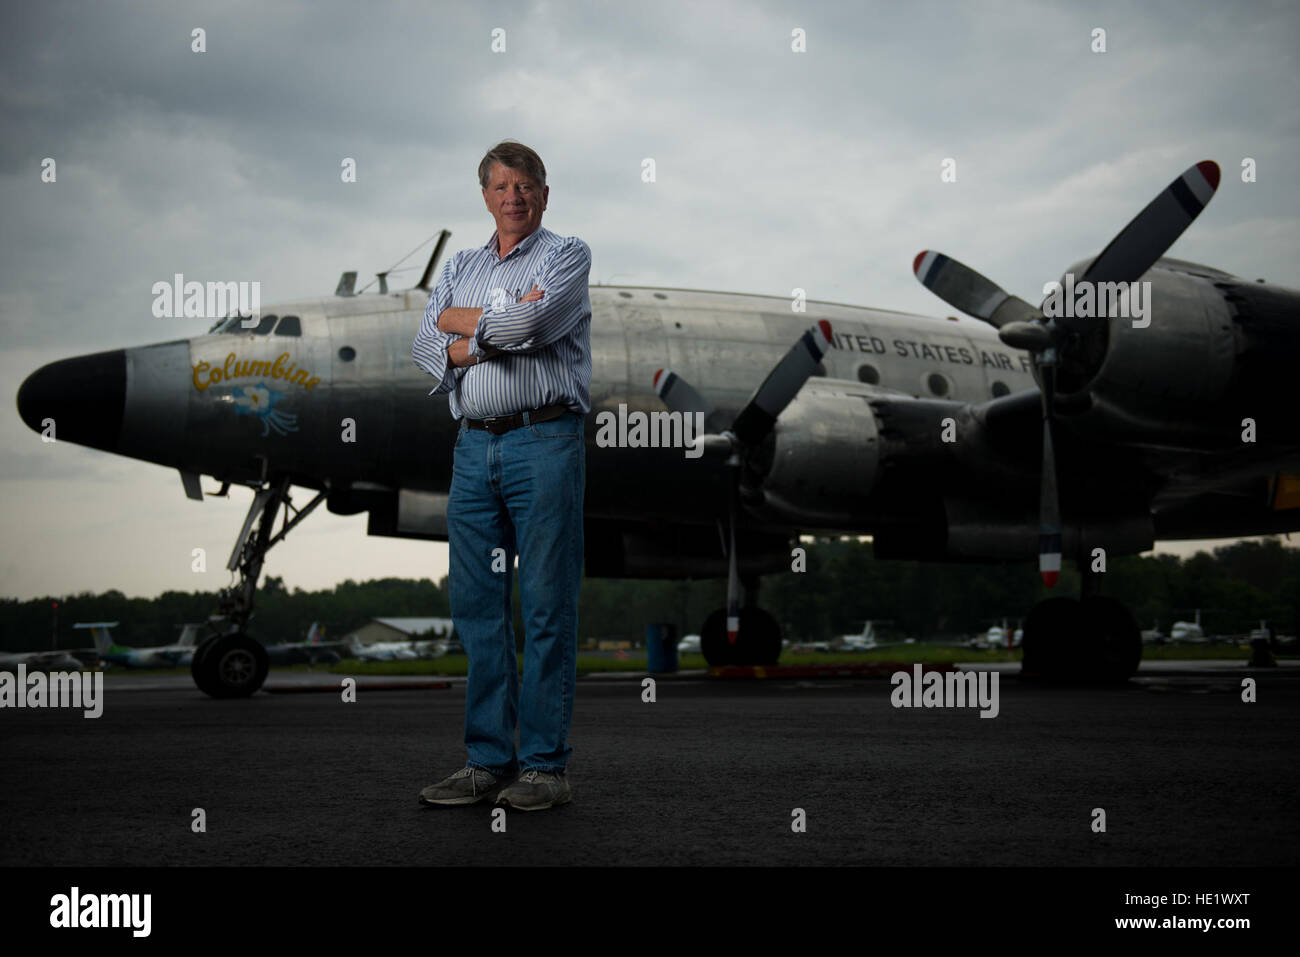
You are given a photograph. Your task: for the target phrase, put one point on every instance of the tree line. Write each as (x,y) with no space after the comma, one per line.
(1234,587)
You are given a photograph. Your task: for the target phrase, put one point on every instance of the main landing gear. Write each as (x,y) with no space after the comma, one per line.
(230,663)
(759,638)
(1091,638)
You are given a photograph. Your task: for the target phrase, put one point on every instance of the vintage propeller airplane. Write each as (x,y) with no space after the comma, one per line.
(1021,430)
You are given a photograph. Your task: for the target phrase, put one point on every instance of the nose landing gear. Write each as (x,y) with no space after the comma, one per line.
(230,663)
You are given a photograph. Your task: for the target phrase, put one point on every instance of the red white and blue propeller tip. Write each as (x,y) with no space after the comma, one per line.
(1049,555)
(678,394)
(1210,170)
(959,285)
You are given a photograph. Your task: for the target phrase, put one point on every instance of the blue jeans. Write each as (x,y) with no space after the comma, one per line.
(518,493)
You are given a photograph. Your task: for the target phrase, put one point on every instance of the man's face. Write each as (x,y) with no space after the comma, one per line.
(515,201)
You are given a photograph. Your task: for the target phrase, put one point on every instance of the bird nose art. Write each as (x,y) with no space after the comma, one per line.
(83,397)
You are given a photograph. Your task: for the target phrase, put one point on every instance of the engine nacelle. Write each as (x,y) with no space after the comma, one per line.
(1185,374)
(822,460)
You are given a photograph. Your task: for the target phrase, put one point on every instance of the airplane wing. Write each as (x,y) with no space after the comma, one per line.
(961,482)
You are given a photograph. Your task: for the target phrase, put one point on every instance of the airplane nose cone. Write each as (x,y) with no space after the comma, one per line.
(83,396)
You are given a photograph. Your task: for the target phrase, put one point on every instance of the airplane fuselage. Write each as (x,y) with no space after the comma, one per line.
(324,391)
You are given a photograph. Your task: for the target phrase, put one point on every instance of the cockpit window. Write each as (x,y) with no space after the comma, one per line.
(263,327)
(289,326)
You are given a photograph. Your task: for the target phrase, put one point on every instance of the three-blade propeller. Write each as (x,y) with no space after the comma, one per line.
(1133,251)
(748,429)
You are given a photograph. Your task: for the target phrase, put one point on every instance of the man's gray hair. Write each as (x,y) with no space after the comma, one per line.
(512,155)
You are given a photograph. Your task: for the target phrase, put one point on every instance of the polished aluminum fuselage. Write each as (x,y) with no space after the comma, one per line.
(351,410)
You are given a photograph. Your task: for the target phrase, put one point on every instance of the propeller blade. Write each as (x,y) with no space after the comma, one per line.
(750,427)
(733,575)
(1049,504)
(1127,257)
(965,289)
(678,394)
(1151,232)
(782,384)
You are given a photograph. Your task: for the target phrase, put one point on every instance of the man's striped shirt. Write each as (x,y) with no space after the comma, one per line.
(546,345)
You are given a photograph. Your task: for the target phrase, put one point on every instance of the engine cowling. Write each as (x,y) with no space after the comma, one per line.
(1208,356)
(820,463)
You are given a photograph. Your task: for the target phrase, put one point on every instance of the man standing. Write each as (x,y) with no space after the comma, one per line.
(507,333)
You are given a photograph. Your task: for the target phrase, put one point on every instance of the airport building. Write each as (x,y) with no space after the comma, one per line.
(399,629)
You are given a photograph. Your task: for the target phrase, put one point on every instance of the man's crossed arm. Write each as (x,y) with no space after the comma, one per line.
(452,338)
(461,321)
(534,323)
(444,353)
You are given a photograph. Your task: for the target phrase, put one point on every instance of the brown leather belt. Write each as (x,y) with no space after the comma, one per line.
(499,424)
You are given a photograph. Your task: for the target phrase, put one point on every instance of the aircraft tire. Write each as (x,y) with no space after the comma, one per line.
(759,642)
(1114,639)
(1053,645)
(197,671)
(760,637)
(233,666)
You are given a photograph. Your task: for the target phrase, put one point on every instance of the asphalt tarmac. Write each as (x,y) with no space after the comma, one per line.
(710,773)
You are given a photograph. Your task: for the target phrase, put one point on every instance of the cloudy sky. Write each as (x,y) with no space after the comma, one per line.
(775,169)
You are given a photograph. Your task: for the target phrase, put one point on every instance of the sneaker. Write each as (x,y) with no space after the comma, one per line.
(536,791)
(467,786)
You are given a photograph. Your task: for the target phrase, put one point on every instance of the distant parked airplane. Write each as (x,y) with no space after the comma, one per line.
(162,656)
(315,650)
(1187,630)
(39,661)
